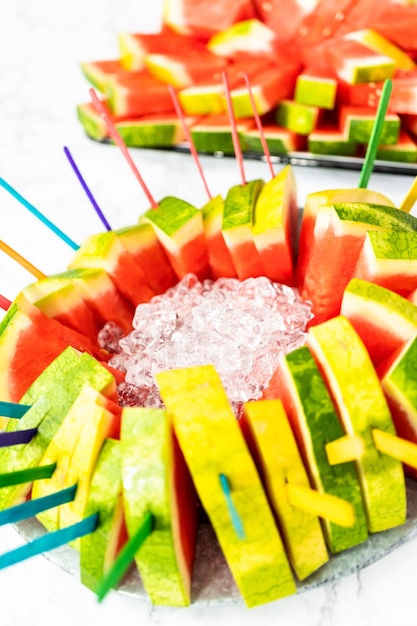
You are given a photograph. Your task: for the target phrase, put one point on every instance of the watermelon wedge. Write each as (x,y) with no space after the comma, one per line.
(329,139)
(213,134)
(275,226)
(105,251)
(92,122)
(357,123)
(346,365)
(29,342)
(180,69)
(280,140)
(316,86)
(98,72)
(398,381)
(179,228)
(213,446)
(298,118)
(314,420)
(270,438)
(161,485)
(132,94)
(356,62)
(238,211)
(99,549)
(220,259)
(376,312)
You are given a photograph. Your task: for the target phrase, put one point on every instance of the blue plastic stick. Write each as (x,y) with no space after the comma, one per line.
(50,541)
(16,437)
(86,189)
(28,475)
(39,215)
(32,507)
(126,555)
(12,409)
(234,515)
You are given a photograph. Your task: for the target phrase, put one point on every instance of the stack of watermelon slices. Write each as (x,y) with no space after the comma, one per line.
(340,400)
(316,78)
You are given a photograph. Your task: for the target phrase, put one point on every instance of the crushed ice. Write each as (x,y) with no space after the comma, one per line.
(243,328)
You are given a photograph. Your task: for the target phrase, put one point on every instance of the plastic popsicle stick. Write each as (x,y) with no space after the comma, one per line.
(4,303)
(259,126)
(118,140)
(234,516)
(21,260)
(32,507)
(188,137)
(396,447)
(372,148)
(12,409)
(87,189)
(410,198)
(49,541)
(126,555)
(16,437)
(27,475)
(57,231)
(235,136)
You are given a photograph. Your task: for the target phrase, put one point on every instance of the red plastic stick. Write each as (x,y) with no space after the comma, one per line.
(259,126)
(235,136)
(188,137)
(115,135)
(4,303)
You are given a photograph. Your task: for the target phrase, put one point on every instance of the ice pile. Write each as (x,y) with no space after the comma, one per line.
(241,327)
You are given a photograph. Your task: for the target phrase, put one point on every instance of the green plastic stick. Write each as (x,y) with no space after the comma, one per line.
(372,148)
(126,555)
(26,475)
(32,507)
(50,541)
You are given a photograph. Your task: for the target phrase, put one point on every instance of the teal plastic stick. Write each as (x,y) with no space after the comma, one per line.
(39,215)
(27,475)
(234,515)
(12,409)
(49,541)
(126,555)
(32,507)
(372,148)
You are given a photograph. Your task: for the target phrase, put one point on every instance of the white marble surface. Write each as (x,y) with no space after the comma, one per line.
(41,45)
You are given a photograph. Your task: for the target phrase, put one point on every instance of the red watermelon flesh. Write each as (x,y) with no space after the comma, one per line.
(202,19)
(220,259)
(377,312)
(283,17)
(397,23)
(99,72)
(135,46)
(29,342)
(142,243)
(182,70)
(132,94)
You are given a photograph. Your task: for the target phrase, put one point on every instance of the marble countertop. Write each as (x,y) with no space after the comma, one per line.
(42,43)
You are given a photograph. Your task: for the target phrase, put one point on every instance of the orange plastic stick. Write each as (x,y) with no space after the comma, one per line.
(259,126)
(235,136)
(115,135)
(21,260)
(188,137)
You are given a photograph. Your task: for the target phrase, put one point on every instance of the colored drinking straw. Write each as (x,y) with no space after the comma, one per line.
(12,438)
(13,409)
(19,477)
(118,140)
(235,136)
(21,260)
(50,541)
(38,215)
(410,198)
(259,126)
(87,189)
(372,148)
(234,516)
(188,137)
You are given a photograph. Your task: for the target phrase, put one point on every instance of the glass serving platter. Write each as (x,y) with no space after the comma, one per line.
(212,582)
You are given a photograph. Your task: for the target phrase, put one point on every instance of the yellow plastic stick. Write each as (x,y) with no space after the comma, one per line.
(396,447)
(345,449)
(410,198)
(322,504)
(21,260)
